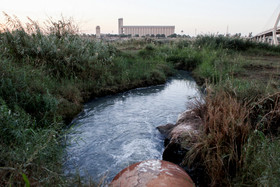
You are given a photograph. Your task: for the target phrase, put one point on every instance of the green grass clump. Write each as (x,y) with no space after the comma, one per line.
(30,91)
(261,165)
(27,150)
(185,58)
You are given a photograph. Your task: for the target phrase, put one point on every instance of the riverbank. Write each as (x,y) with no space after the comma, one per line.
(238,140)
(44,80)
(46,76)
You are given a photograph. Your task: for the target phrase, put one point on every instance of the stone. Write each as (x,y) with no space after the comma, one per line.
(179,138)
(174,153)
(166,129)
(187,124)
(152,173)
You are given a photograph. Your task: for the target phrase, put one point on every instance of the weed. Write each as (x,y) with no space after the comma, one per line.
(224,133)
(261,162)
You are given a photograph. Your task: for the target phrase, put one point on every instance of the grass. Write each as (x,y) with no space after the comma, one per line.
(239,140)
(224,132)
(242,79)
(261,166)
(46,74)
(27,150)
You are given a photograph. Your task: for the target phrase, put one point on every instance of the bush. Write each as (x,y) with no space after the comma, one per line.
(148,52)
(231,43)
(185,59)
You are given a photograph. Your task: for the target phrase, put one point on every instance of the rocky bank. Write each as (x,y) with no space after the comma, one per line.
(178,139)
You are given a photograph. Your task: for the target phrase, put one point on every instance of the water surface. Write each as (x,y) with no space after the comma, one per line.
(115,131)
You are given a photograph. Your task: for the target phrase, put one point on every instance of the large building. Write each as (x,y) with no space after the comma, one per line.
(145,30)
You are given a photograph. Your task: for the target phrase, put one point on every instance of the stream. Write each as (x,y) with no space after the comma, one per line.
(116,131)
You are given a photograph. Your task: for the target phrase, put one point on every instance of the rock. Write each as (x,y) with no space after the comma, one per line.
(152,173)
(174,153)
(166,129)
(187,124)
(179,138)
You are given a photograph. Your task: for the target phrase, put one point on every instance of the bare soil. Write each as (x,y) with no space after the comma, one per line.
(261,68)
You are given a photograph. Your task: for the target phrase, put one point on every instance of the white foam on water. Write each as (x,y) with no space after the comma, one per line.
(117,131)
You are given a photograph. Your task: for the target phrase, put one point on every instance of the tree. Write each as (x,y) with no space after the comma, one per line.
(250,35)
(173,36)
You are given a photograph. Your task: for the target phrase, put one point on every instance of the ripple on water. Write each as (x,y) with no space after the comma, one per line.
(115,131)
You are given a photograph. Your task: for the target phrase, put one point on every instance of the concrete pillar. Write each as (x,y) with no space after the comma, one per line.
(275,40)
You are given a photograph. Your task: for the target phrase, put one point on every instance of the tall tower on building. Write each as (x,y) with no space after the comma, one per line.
(120,25)
(98,35)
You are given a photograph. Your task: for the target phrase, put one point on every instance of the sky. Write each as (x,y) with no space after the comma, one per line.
(189,17)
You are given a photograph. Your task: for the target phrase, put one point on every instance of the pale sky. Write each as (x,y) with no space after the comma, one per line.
(202,16)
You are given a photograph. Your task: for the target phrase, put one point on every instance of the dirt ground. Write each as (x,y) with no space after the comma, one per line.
(261,68)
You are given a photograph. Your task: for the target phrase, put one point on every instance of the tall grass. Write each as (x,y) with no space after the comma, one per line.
(261,164)
(47,73)
(235,44)
(239,140)
(224,132)
(45,76)
(27,150)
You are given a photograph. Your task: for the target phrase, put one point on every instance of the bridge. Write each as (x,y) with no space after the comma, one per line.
(270,35)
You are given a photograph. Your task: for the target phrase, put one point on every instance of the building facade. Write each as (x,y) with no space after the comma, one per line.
(145,30)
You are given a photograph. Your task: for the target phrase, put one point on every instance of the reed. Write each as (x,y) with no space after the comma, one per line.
(223,134)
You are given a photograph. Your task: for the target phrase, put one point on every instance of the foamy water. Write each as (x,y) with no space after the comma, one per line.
(116,131)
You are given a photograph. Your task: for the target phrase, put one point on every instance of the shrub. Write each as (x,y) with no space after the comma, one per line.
(185,59)
(148,52)
(231,43)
